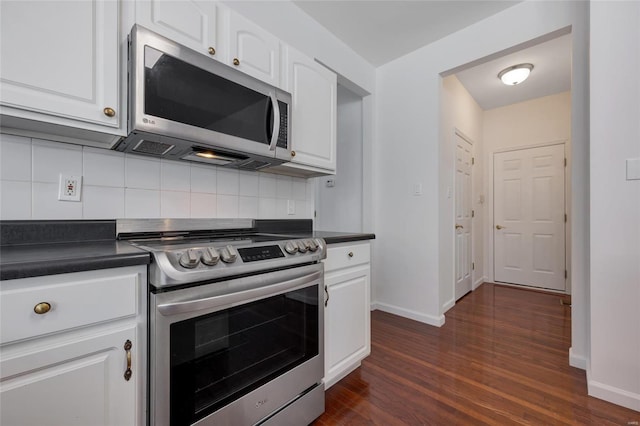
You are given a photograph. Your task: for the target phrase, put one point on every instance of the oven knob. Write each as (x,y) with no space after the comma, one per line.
(313,246)
(229,254)
(290,248)
(189,259)
(210,256)
(302,246)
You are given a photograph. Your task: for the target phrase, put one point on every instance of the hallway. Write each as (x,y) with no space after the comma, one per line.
(501,358)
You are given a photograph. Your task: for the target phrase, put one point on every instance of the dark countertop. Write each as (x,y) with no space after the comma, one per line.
(38,248)
(33,260)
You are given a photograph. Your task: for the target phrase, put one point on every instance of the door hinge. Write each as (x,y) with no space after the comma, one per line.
(565,218)
(473,213)
(473,160)
(565,274)
(565,162)
(473,266)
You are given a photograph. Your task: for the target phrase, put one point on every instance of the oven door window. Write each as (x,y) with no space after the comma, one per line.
(217,358)
(178,91)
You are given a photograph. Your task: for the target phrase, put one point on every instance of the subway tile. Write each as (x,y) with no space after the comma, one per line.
(203,205)
(101,202)
(50,159)
(299,189)
(102,167)
(248,207)
(284,187)
(267,208)
(45,203)
(175,204)
(141,172)
(141,203)
(175,176)
(249,184)
(15,200)
(15,158)
(228,182)
(203,179)
(267,185)
(227,206)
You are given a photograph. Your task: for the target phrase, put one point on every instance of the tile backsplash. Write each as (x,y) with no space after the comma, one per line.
(117,185)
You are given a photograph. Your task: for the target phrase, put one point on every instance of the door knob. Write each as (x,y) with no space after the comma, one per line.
(498,227)
(459,226)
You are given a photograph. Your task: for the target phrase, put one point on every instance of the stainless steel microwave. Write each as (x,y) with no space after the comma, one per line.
(185,106)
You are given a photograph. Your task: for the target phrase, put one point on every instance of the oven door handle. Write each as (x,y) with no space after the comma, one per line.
(239,297)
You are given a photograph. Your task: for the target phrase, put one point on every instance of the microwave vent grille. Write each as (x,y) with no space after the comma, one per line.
(155,148)
(253,165)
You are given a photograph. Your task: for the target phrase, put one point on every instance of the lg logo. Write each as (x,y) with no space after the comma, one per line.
(261,403)
(147,121)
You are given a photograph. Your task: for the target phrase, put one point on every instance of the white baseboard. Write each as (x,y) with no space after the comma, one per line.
(373,306)
(478,283)
(576,360)
(448,305)
(408,313)
(614,395)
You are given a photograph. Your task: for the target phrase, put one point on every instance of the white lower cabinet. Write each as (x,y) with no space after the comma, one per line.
(347,311)
(90,372)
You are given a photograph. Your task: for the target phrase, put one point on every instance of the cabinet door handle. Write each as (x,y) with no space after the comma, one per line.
(326,291)
(293,153)
(127,348)
(236,61)
(212,51)
(109,112)
(42,308)
(350,254)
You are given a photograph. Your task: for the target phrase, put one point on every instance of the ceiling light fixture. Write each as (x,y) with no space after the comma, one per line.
(515,74)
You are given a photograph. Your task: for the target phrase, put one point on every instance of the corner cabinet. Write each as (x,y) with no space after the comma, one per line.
(73,347)
(313,124)
(61,65)
(347,309)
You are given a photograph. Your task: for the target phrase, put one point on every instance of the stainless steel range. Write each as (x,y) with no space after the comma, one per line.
(235,323)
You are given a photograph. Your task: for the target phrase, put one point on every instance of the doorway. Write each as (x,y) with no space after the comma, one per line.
(529,217)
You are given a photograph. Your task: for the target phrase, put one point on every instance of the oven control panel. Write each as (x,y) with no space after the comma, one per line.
(253,254)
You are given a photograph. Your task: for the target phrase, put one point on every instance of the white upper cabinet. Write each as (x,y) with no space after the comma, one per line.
(253,50)
(60,61)
(313,118)
(191,23)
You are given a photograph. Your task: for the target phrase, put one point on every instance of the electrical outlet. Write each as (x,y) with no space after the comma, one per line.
(291,207)
(70,188)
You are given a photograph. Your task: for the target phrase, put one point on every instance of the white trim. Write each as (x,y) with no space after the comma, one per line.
(448,305)
(408,313)
(612,394)
(530,146)
(577,361)
(478,283)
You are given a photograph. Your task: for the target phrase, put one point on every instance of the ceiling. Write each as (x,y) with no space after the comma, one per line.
(383,30)
(551,74)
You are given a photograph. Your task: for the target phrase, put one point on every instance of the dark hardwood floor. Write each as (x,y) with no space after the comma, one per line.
(500,359)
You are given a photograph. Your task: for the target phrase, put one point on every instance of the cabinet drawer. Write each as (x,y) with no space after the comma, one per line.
(343,256)
(73,300)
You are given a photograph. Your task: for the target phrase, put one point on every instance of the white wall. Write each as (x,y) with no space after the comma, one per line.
(459,111)
(538,121)
(408,134)
(118,185)
(614,370)
(339,208)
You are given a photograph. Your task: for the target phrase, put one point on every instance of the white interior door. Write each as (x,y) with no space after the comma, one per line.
(529,237)
(463,216)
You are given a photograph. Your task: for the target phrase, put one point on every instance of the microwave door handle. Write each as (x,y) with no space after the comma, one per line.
(276,121)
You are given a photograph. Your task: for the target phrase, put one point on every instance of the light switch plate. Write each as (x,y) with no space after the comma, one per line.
(633,169)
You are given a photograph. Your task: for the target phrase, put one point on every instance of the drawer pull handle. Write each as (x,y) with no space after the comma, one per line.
(326,291)
(42,308)
(127,348)
(350,254)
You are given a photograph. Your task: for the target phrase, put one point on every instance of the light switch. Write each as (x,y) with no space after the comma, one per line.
(417,189)
(633,169)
